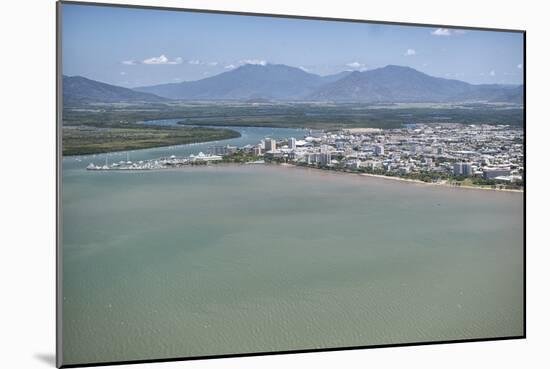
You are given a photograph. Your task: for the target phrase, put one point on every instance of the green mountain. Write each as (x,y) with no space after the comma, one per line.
(77,90)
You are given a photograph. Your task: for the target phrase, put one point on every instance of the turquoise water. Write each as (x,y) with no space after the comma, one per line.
(242,259)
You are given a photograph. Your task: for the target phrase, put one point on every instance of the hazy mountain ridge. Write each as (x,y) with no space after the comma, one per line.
(79,89)
(281,82)
(271,81)
(404,84)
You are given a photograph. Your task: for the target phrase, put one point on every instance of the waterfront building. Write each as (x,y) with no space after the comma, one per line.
(257,150)
(379,150)
(325,158)
(457,169)
(270,144)
(467,169)
(462,169)
(222,150)
(292,143)
(492,173)
(202,157)
(354,164)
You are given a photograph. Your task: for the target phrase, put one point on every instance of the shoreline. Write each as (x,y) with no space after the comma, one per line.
(336,172)
(406,180)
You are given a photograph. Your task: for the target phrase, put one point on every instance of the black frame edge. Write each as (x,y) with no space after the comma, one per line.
(304,351)
(58,183)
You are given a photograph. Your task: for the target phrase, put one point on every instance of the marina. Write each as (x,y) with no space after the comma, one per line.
(161,163)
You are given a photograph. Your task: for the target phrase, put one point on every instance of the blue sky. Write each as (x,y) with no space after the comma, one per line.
(138,47)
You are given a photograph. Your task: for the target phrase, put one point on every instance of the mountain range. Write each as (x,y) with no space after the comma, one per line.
(250,81)
(83,90)
(404,84)
(281,82)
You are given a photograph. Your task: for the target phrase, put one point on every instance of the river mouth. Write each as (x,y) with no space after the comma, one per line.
(249,136)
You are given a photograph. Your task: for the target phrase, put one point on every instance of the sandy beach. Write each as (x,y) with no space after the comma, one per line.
(408,180)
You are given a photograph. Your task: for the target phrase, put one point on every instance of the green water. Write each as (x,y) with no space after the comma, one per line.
(242,259)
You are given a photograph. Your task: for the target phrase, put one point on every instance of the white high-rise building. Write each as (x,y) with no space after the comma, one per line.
(467,169)
(325,158)
(292,143)
(270,144)
(457,169)
(462,169)
(257,150)
(379,150)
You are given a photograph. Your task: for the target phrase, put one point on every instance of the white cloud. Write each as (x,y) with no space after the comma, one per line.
(354,65)
(492,73)
(213,64)
(441,32)
(194,62)
(253,61)
(410,52)
(357,66)
(162,60)
(447,32)
(128,62)
(520,66)
(303,68)
(122,73)
(230,66)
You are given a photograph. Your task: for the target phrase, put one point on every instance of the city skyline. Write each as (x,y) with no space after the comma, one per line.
(138,47)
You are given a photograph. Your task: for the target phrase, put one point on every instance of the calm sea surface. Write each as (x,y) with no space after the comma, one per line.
(242,259)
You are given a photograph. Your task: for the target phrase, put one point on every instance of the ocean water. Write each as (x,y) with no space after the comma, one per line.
(243,259)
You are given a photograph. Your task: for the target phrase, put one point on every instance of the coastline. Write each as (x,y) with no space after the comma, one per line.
(444,184)
(406,180)
(238,134)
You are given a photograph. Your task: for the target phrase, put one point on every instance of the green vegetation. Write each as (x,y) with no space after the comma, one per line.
(100,127)
(294,115)
(240,157)
(82,140)
(332,117)
(423,176)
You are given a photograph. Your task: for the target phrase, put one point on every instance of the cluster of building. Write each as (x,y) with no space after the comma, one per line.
(447,149)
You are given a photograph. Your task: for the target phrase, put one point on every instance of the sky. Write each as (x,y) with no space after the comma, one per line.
(140,47)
